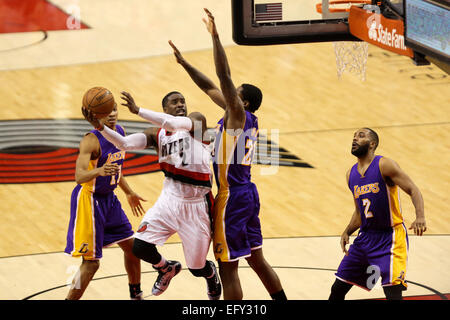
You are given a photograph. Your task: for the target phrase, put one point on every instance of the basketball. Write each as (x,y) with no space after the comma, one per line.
(99,100)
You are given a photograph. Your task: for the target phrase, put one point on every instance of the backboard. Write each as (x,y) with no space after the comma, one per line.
(420,29)
(264,22)
(427,28)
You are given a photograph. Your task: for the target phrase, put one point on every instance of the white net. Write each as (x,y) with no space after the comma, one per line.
(351,56)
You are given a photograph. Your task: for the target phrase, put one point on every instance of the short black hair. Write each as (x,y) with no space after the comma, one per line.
(373,136)
(253,95)
(166,97)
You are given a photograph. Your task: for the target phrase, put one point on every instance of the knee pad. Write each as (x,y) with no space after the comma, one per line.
(146,251)
(196,272)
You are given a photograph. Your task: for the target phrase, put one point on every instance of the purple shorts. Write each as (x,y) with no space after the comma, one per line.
(376,254)
(237,229)
(96,221)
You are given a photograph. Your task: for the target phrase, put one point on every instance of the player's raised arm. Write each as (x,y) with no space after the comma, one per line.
(392,170)
(161,119)
(234,106)
(135,141)
(201,80)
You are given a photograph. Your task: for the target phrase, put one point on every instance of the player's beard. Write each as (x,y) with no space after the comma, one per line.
(361,151)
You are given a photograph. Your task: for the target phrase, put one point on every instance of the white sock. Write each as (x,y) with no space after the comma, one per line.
(161,263)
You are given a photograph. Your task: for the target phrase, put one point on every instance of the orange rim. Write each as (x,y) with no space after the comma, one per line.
(319,5)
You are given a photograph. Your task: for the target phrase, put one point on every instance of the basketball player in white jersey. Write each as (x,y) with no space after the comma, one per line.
(185,203)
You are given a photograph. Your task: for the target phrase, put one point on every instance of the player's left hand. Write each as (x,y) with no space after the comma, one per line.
(134,201)
(210,24)
(419,226)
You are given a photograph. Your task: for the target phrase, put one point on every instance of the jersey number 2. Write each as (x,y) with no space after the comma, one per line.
(250,145)
(366,203)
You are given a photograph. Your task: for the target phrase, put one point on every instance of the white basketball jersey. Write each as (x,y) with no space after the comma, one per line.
(185,162)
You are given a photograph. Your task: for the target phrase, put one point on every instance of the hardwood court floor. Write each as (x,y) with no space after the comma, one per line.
(306,111)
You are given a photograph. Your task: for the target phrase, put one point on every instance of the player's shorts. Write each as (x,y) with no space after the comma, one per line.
(191,219)
(237,229)
(374,254)
(96,221)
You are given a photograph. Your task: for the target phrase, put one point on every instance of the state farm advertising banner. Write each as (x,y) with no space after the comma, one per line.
(374,28)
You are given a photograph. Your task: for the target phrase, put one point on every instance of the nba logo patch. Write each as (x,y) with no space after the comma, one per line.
(84,248)
(401,276)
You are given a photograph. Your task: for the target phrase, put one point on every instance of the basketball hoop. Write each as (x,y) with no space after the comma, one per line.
(351,56)
(335,3)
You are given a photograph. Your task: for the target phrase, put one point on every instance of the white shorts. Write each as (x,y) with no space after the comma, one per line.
(191,219)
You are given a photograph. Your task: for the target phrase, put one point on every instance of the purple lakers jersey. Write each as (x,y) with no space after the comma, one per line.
(233,153)
(109,154)
(378,203)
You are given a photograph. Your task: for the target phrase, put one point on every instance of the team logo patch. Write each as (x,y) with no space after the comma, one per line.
(401,276)
(84,248)
(142,227)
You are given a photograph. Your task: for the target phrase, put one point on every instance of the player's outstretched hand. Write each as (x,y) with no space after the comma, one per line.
(89,116)
(129,102)
(177,53)
(134,201)
(210,24)
(419,226)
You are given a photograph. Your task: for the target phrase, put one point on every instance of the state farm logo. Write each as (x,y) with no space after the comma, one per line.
(379,33)
(373,31)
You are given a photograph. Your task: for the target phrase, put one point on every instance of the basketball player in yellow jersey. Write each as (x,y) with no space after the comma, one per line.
(97,219)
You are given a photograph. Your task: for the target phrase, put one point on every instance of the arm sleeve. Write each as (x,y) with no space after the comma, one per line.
(166,121)
(135,141)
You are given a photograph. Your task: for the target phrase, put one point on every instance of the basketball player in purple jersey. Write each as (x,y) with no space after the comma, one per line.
(237,229)
(381,247)
(97,219)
